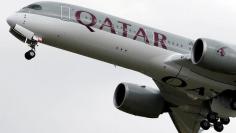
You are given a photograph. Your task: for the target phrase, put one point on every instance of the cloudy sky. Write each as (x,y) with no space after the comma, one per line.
(61,92)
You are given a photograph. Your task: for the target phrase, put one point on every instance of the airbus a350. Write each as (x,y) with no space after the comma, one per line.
(196,78)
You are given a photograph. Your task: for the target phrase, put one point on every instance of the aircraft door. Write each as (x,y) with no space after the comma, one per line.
(65,13)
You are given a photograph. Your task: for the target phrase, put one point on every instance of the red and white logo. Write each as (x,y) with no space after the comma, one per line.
(221,51)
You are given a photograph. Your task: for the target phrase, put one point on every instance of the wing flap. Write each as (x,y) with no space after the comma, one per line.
(185,122)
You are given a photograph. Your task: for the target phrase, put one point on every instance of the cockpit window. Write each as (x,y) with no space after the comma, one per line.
(35,7)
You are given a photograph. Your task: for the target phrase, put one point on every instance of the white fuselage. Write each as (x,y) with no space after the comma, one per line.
(197,79)
(133,51)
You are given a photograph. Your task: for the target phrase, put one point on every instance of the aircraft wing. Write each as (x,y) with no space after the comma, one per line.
(185,112)
(185,122)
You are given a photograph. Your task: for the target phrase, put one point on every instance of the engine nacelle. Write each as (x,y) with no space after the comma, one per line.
(214,55)
(139,100)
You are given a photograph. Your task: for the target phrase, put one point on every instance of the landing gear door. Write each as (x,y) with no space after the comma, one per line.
(65,13)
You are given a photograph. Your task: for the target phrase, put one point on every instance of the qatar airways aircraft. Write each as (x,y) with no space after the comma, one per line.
(197,79)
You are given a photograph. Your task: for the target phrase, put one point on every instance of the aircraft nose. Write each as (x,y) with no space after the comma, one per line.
(14,19)
(11,20)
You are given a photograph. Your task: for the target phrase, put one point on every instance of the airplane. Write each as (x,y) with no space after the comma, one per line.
(196,78)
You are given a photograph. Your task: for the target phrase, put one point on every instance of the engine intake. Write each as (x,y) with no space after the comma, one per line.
(139,100)
(199,50)
(214,55)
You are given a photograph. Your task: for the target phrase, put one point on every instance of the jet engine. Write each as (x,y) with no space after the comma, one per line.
(139,100)
(214,55)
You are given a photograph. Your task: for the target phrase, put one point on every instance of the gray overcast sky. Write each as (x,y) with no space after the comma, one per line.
(61,92)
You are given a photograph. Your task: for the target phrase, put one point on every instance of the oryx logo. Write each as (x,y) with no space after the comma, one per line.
(221,51)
